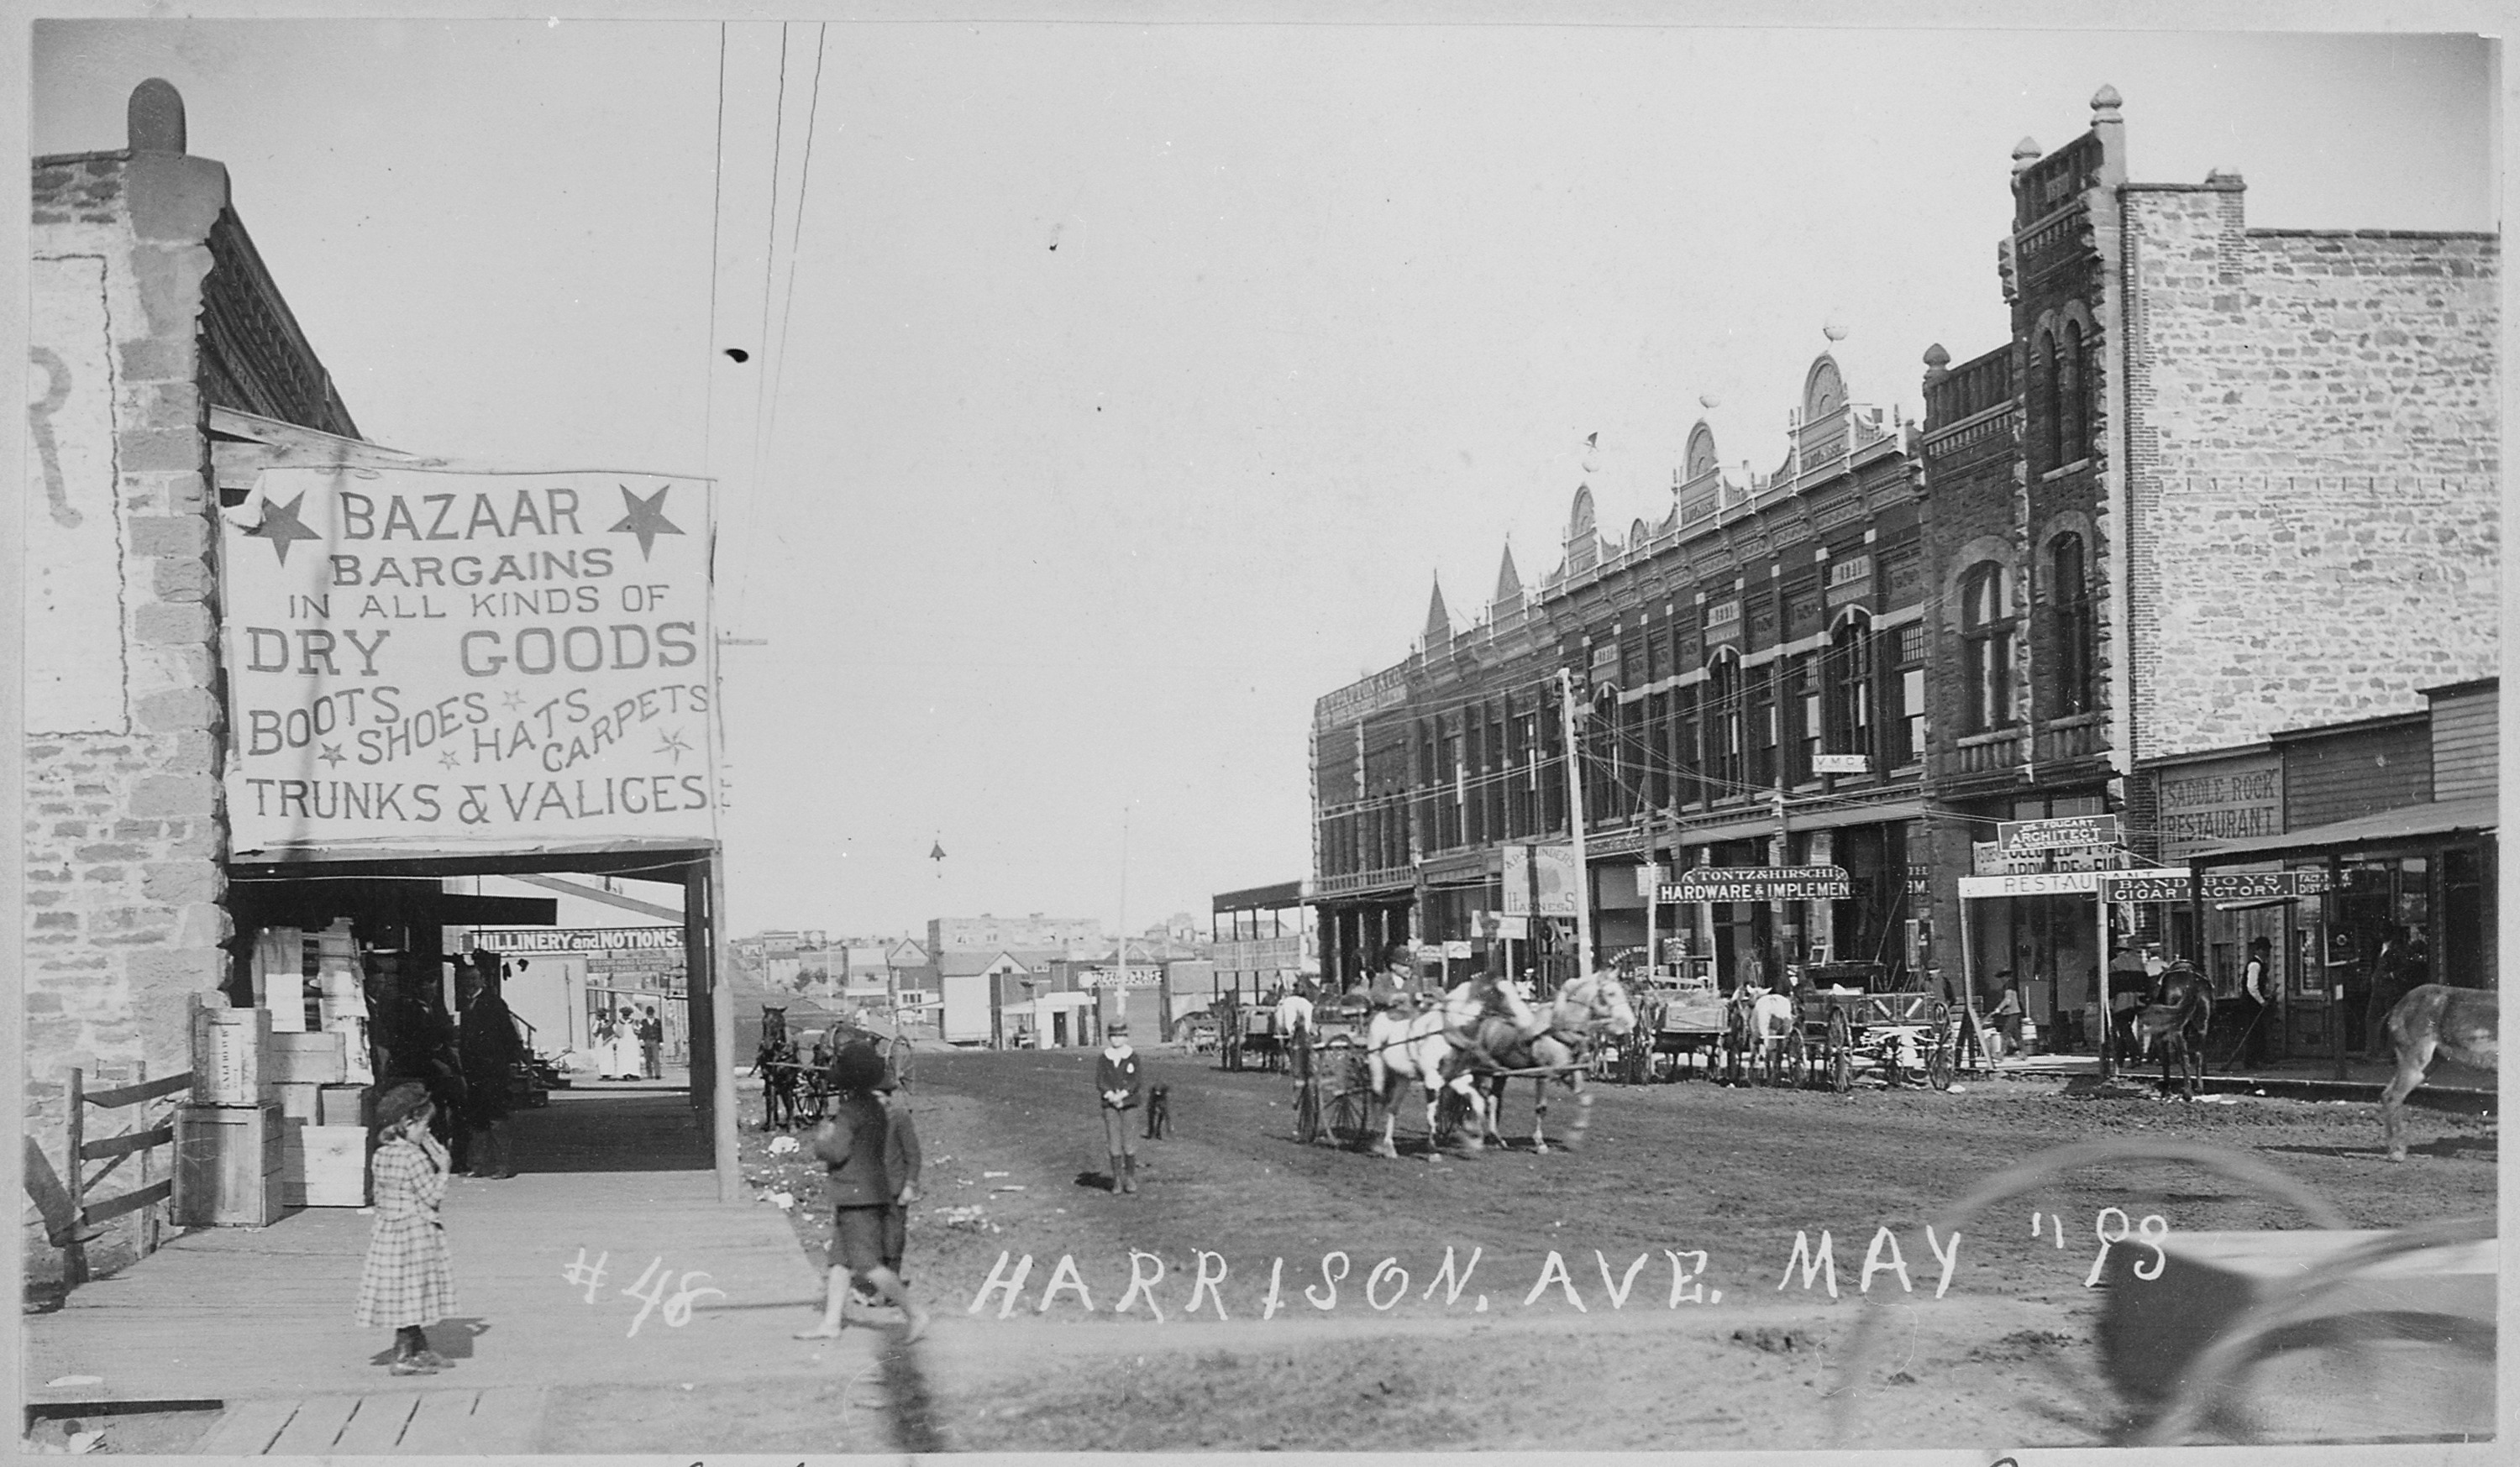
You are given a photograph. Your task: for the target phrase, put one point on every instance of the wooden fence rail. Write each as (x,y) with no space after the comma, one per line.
(114,1150)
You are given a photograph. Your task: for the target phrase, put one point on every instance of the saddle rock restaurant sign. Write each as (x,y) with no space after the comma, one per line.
(483,661)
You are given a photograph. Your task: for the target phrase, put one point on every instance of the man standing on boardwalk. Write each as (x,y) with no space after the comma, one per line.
(652,1044)
(490,1050)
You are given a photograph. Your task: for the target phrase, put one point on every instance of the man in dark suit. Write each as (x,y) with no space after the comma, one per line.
(489,1050)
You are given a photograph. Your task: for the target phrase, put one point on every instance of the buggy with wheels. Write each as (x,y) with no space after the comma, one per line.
(1680,1028)
(1901,1037)
(1334,1084)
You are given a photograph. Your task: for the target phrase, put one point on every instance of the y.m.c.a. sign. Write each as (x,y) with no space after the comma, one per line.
(476,661)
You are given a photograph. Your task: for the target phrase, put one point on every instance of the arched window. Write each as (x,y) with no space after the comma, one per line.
(1986,639)
(2075,628)
(2049,362)
(1849,685)
(2072,428)
(1721,713)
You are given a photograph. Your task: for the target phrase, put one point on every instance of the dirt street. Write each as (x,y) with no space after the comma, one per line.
(1555,1325)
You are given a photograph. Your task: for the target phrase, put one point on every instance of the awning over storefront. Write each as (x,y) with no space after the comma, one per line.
(2442,817)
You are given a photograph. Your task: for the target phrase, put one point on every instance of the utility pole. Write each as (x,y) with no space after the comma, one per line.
(1575,823)
(1120,1003)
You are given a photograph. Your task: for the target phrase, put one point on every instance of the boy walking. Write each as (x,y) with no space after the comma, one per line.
(851,1146)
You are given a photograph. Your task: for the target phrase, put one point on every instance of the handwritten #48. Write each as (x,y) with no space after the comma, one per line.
(676,1308)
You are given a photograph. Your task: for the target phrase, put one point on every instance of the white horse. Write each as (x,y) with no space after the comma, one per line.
(1772,1023)
(1557,1038)
(1402,1046)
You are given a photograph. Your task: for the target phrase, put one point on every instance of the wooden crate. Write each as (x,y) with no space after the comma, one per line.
(298,1101)
(345,1105)
(305,1058)
(228,1046)
(228,1165)
(325,1165)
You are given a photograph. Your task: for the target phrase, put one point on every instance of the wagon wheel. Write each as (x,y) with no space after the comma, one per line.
(810,1101)
(1938,1064)
(1350,1107)
(1798,1067)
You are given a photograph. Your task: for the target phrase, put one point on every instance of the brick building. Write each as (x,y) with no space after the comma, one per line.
(1721,649)
(2221,484)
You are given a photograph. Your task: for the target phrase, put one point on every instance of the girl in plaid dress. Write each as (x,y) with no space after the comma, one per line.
(409,1279)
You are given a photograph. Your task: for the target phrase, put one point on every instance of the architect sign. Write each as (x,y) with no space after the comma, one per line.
(2078,833)
(1758,883)
(470,661)
(1130,977)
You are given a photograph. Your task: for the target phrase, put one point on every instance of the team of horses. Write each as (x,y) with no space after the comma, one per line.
(1472,1043)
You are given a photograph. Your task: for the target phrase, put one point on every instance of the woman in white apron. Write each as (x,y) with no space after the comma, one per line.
(625,1061)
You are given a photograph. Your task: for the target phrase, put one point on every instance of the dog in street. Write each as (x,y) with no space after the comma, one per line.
(1159,1113)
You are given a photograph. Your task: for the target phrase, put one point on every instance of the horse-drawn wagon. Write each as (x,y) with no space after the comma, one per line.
(1679,1027)
(1903,1035)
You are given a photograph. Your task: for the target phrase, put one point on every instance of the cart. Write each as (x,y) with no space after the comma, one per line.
(1903,1037)
(1333,1085)
(1679,1027)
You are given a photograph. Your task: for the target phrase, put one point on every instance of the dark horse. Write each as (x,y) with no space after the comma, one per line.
(2179,1023)
(776,1063)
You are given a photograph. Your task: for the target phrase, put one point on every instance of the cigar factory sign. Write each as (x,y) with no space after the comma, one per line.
(474,661)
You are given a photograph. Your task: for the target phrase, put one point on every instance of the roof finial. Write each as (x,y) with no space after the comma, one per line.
(2104,103)
(2024,153)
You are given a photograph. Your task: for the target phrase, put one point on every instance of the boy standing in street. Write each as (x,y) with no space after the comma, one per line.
(1123,1088)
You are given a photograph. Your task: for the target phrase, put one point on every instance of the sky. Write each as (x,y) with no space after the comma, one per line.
(1113,391)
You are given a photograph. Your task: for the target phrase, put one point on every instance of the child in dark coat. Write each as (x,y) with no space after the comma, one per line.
(851,1146)
(1123,1090)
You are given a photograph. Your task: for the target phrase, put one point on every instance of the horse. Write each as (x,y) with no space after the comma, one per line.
(2179,1023)
(1772,1024)
(775,1061)
(2463,1023)
(1399,1047)
(1560,1038)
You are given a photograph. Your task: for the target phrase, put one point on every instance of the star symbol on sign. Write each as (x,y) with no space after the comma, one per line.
(673,746)
(511,699)
(448,759)
(646,519)
(281,525)
(332,754)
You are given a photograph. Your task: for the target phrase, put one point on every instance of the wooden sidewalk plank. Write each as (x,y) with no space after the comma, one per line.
(245,1429)
(506,1418)
(376,1426)
(442,1423)
(318,1422)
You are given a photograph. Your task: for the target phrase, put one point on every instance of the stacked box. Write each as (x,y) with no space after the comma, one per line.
(307,1058)
(345,1105)
(325,1165)
(228,1046)
(228,1164)
(297,1102)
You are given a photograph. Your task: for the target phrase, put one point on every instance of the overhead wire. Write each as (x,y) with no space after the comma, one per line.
(762,343)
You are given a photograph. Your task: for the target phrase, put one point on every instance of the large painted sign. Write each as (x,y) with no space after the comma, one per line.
(471,661)
(73,521)
(1540,881)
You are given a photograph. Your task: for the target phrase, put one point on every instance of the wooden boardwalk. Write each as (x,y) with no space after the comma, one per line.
(259,1318)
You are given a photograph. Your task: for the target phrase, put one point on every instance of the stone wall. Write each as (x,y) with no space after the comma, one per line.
(124,882)
(2314,476)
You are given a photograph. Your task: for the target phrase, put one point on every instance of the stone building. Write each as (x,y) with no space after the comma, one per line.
(2220,482)
(150,309)
(1748,662)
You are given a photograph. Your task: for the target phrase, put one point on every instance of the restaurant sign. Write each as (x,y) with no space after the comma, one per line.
(478,662)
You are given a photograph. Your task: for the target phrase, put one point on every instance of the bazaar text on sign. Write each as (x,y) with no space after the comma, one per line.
(1758,883)
(481,659)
